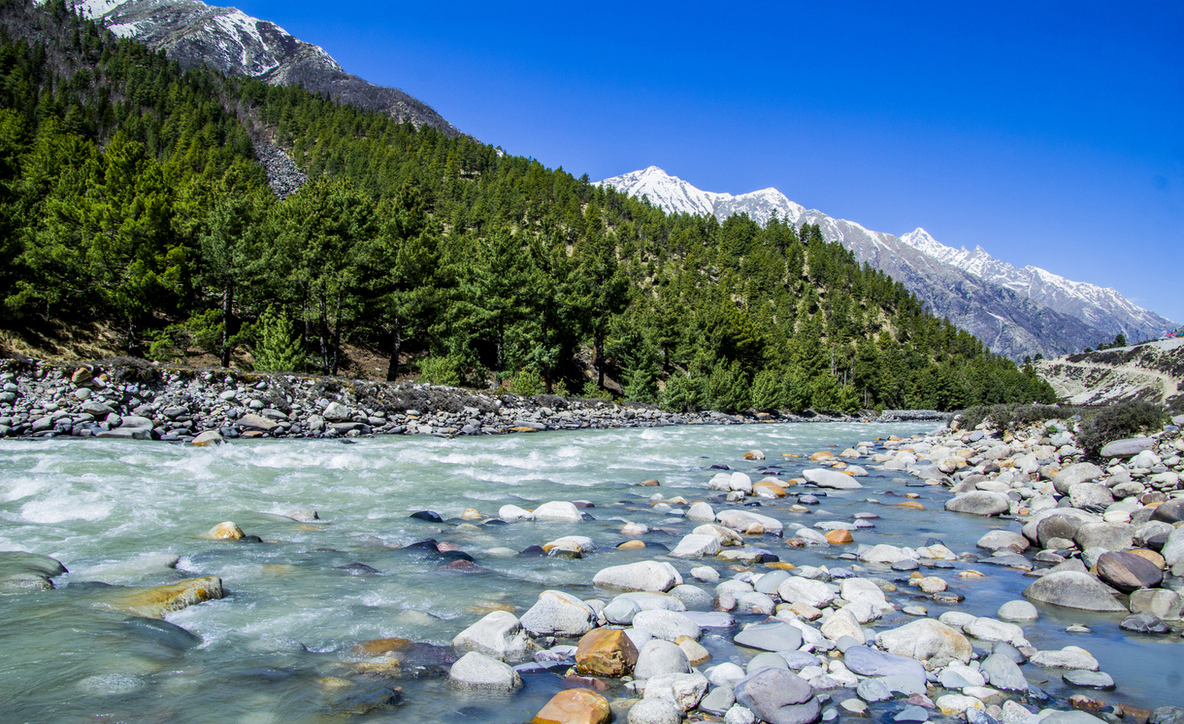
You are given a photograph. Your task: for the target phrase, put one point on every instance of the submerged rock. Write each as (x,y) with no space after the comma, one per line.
(156,601)
(21,571)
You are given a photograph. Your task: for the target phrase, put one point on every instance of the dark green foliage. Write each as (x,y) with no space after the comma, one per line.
(129,195)
(1118,421)
(278,348)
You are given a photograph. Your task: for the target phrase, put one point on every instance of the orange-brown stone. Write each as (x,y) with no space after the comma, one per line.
(839,537)
(822,455)
(773,488)
(606,652)
(910,504)
(1152,556)
(575,706)
(380,647)
(629,544)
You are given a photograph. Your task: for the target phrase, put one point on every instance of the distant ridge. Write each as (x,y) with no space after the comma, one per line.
(1017,312)
(228,40)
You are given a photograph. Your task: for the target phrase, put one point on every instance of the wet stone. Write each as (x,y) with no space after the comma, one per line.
(1089,679)
(1144,623)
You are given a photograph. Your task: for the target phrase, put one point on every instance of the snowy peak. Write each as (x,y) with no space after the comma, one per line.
(1016,311)
(677,196)
(665,191)
(232,42)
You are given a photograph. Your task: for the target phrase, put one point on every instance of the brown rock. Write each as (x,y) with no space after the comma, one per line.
(575,706)
(156,601)
(773,488)
(225,531)
(1152,556)
(1126,571)
(910,504)
(839,537)
(606,652)
(651,483)
(380,647)
(1081,702)
(822,455)
(630,544)
(754,455)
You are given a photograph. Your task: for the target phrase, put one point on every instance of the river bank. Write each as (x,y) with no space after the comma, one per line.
(134,399)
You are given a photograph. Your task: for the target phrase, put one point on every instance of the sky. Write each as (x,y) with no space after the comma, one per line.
(1049,133)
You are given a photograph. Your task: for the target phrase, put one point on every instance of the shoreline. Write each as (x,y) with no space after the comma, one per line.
(138,400)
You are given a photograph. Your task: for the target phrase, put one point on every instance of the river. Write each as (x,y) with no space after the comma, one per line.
(280,646)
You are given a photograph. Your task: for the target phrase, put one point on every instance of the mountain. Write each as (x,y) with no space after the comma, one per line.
(1017,312)
(230,41)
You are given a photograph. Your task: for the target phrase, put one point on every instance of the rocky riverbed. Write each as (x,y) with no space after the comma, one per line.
(763,606)
(142,401)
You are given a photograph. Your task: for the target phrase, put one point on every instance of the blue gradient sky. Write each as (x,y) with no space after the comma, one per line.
(1049,133)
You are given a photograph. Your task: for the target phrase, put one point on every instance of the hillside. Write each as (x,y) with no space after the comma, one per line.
(234,43)
(1153,371)
(135,206)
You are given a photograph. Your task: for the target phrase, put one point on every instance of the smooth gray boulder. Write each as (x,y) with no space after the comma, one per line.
(1004,673)
(1160,602)
(1073,590)
(779,697)
(666,625)
(1071,475)
(1128,447)
(21,571)
(1018,611)
(873,662)
(657,576)
(475,670)
(1005,540)
(979,502)
(770,637)
(498,634)
(659,657)
(833,479)
(654,711)
(1110,536)
(559,614)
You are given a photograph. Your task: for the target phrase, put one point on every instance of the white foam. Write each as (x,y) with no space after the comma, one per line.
(64,507)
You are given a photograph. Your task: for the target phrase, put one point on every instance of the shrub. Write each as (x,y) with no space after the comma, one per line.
(278,348)
(682,394)
(527,383)
(767,391)
(1120,420)
(445,370)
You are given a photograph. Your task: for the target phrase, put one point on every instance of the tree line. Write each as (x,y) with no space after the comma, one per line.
(131,197)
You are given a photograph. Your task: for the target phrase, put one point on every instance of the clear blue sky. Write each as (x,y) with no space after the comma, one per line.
(1050,133)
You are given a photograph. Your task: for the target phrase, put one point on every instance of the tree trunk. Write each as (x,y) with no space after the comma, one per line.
(227,309)
(337,334)
(599,352)
(392,370)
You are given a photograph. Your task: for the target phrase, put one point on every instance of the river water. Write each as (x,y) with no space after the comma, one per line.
(280,646)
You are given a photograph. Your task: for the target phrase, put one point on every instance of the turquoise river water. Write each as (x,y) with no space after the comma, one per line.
(280,646)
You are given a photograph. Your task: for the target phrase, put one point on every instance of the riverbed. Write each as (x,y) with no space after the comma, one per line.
(281,646)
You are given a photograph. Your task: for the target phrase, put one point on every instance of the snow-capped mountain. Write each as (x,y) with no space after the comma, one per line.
(228,40)
(675,195)
(1100,307)
(1017,312)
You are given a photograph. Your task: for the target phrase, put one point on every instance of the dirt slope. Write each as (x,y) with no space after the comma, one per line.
(1152,371)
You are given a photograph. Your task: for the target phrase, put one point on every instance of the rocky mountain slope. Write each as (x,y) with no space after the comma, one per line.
(1153,371)
(226,39)
(1017,312)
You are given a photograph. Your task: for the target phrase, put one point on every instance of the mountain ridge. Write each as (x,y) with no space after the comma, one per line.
(232,42)
(1018,312)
